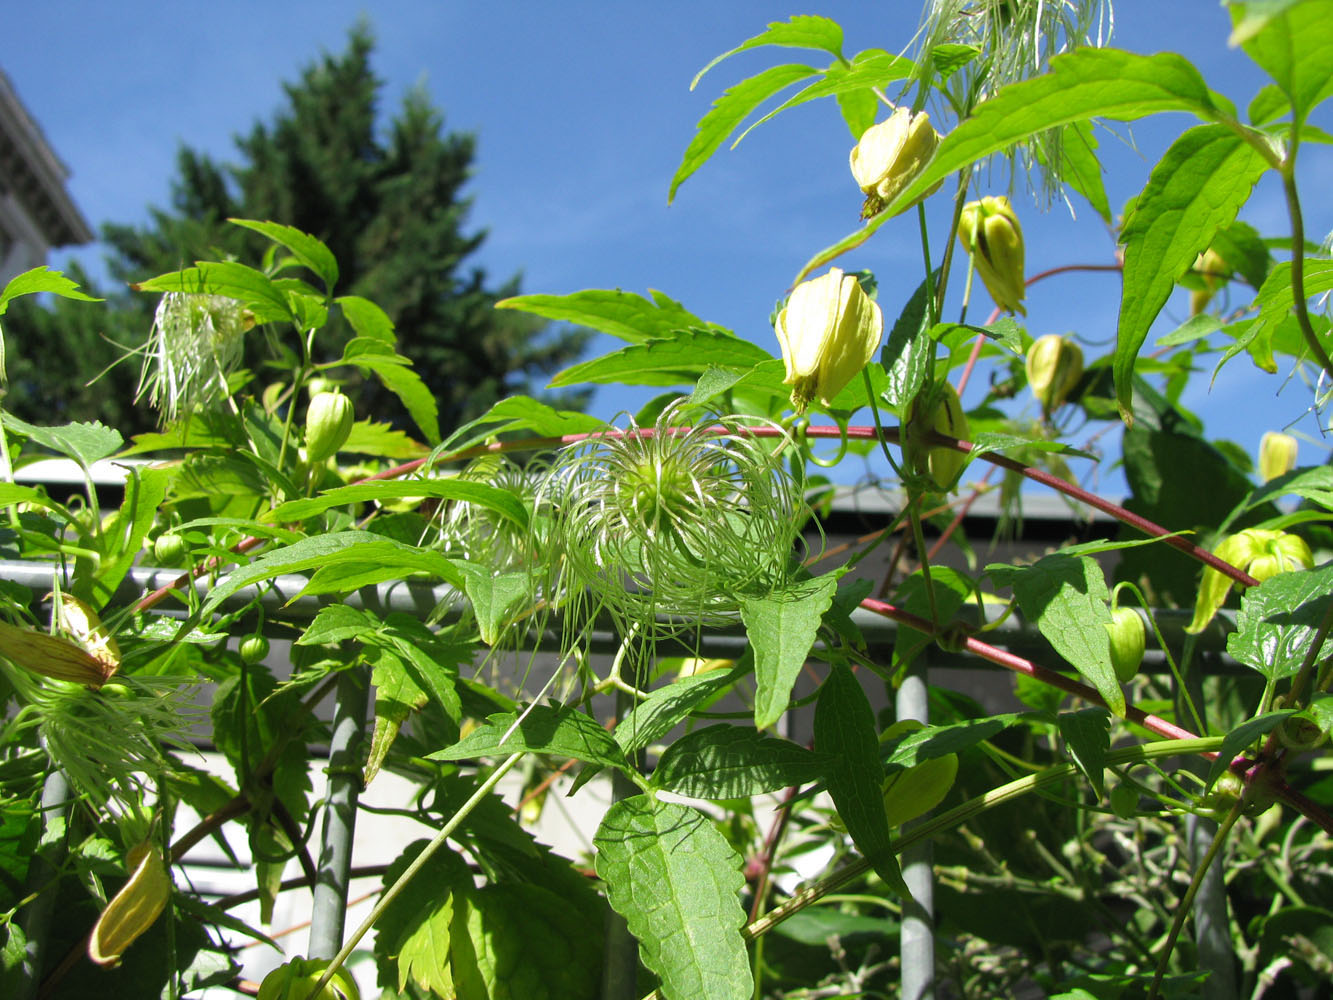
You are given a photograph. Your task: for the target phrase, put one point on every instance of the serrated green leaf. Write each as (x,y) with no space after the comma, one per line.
(801,31)
(917,790)
(1082,170)
(1241,737)
(731,762)
(845,731)
(411,391)
(86,443)
(413,934)
(1293,44)
(381,441)
(495,597)
(675,360)
(782,628)
(526,413)
(305,248)
(493,498)
(230,278)
(337,547)
(1067,598)
(366,318)
(621,314)
(1276,299)
(1087,733)
(662,710)
(1314,483)
(338,622)
(145,489)
(989,441)
(906,354)
(677,883)
(1193,192)
(940,741)
(38,280)
(728,111)
(1279,619)
(539,729)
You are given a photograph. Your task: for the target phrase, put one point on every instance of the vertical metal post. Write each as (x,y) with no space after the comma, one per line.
(35,918)
(916,946)
(343,788)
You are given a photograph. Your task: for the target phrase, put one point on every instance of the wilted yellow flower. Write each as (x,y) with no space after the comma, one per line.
(53,656)
(1277,455)
(889,156)
(133,910)
(1054,366)
(1261,552)
(990,233)
(828,332)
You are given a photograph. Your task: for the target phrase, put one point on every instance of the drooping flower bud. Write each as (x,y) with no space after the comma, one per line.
(53,656)
(828,332)
(990,233)
(1214,271)
(1054,366)
(132,910)
(295,979)
(1277,455)
(946,416)
(1261,552)
(889,156)
(328,423)
(1128,640)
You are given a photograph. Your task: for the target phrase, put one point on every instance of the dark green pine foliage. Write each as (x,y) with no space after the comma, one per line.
(388,203)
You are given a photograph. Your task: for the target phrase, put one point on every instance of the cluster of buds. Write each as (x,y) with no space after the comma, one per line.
(935,410)
(990,233)
(1277,455)
(890,156)
(1054,366)
(1261,552)
(828,332)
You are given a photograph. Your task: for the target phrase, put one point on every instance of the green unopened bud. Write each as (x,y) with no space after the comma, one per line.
(133,910)
(1054,366)
(828,331)
(328,424)
(946,415)
(297,978)
(1213,270)
(890,156)
(1128,640)
(1261,552)
(990,233)
(1277,455)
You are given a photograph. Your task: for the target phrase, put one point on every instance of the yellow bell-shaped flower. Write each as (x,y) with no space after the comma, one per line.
(890,155)
(1277,455)
(828,332)
(1054,366)
(990,233)
(1261,552)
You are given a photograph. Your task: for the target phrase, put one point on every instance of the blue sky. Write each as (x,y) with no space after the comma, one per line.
(582,112)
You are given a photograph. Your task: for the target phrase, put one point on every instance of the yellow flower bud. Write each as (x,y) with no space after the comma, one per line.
(295,980)
(1214,271)
(1277,455)
(889,156)
(328,423)
(133,909)
(53,656)
(946,416)
(828,332)
(990,233)
(1261,552)
(1054,366)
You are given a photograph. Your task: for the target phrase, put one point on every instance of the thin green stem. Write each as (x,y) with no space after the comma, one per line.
(427,852)
(1298,267)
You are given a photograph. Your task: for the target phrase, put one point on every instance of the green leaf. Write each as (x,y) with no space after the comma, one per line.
(1276,299)
(539,729)
(988,441)
(845,731)
(1279,619)
(675,360)
(1293,43)
(939,741)
(801,31)
(332,549)
(495,597)
(525,413)
(85,443)
(728,111)
(234,280)
(1081,169)
(621,314)
(951,589)
(338,622)
(1068,600)
(366,318)
(41,279)
(145,489)
(304,247)
(906,354)
(1313,483)
(782,628)
(493,498)
(660,712)
(381,441)
(1236,741)
(1193,192)
(407,385)
(413,934)
(731,762)
(1087,734)
(677,883)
